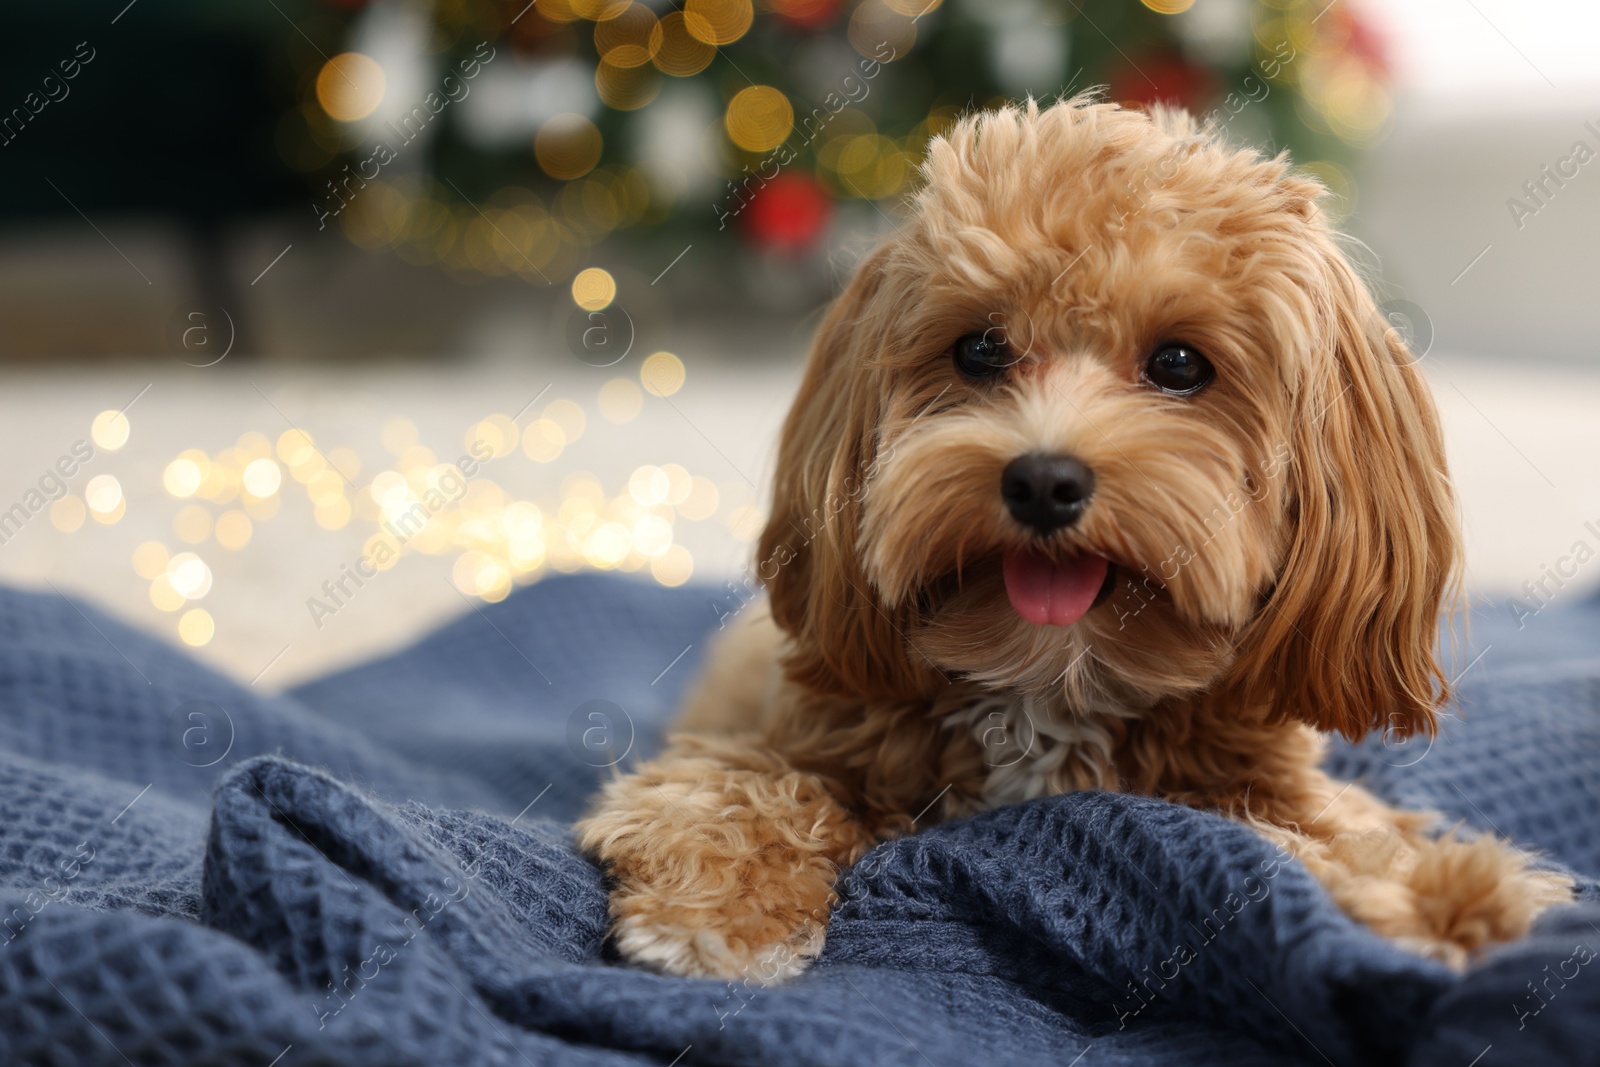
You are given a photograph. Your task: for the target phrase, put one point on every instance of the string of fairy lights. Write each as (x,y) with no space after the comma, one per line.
(499,540)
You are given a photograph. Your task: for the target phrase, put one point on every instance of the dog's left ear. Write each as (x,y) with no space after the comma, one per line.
(842,639)
(1346,640)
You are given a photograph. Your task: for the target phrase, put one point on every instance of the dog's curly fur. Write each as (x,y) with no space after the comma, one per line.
(1282,543)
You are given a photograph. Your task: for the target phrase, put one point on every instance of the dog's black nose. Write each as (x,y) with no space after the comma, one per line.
(1046,492)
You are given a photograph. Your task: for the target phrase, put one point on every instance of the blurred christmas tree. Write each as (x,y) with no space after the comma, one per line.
(505,137)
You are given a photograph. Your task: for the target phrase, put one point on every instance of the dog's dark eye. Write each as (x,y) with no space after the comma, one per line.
(982,355)
(1179,370)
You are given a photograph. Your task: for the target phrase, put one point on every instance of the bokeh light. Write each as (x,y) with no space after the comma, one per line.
(759,118)
(350,86)
(567,146)
(598,10)
(262,477)
(104,496)
(876,26)
(649,486)
(192,524)
(109,430)
(67,514)
(702,500)
(630,39)
(718,22)
(184,475)
(620,401)
(662,374)
(673,567)
(593,289)
(189,575)
(567,415)
(150,560)
(543,440)
(195,627)
(163,596)
(233,529)
(626,88)
(679,52)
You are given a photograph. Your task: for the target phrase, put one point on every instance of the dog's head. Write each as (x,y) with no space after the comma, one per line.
(1111,414)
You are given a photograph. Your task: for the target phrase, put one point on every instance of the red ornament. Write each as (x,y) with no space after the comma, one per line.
(1367,43)
(788,213)
(1162,78)
(807,14)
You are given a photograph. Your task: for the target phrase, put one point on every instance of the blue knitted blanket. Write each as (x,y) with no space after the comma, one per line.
(376,869)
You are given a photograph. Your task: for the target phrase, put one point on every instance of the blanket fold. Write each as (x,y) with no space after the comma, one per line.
(376,869)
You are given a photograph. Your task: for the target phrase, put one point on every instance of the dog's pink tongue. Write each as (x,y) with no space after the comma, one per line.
(1047,593)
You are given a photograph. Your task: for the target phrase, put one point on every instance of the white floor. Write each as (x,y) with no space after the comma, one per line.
(1524,443)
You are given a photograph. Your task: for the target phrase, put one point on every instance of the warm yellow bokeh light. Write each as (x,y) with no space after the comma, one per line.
(496,433)
(759,118)
(325,488)
(876,26)
(233,529)
(652,535)
(334,515)
(381,551)
(567,146)
(567,415)
(295,447)
(649,486)
(262,477)
(629,39)
(598,10)
(543,440)
(626,88)
(182,477)
(702,501)
(103,495)
(192,524)
(195,627)
(620,401)
(1160,7)
(679,52)
(67,514)
(593,289)
(252,445)
(110,430)
(718,21)
(150,560)
(678,483)
(673,567)
(482,575)
(163,596)
(746,522)
(350,86)
(662,374)
(189,575)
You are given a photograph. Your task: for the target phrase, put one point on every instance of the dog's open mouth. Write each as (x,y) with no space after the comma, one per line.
(1049,592)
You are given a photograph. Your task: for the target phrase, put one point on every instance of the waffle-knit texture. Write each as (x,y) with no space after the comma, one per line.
(377,869)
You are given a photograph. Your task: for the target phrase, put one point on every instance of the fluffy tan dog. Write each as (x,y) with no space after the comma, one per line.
(1105,474)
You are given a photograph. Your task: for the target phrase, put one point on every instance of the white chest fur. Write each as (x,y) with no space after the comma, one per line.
(1034,746)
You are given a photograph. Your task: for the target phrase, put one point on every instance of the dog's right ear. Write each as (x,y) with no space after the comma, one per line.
(843,640)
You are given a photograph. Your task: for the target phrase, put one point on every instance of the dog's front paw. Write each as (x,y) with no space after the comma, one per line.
(721,871)
(1449,898)
(1472,894)
(739,938)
